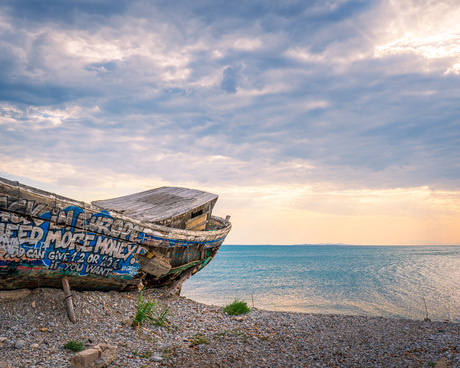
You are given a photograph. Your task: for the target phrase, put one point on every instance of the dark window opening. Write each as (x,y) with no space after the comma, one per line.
(197,213)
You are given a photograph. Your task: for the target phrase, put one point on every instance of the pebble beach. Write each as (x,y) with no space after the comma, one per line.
(35,328)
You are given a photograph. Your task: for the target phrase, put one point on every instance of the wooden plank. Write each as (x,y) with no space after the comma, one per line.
(199,227)
(195,222)
(184,267)
(154,265)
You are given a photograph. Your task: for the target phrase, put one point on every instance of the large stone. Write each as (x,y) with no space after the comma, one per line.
(98,356)
(12,295)
(109,353)
(86,358)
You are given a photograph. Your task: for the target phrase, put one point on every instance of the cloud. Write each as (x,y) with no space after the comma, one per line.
(422,28)
(347,94)
(229,81)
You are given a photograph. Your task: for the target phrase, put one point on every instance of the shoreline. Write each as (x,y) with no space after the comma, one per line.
(317,310)
(202,335)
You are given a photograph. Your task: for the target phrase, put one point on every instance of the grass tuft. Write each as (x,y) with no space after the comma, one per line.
(237,307)
(149,312)
(74,345)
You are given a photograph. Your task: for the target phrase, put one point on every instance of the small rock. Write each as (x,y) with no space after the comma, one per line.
(20,344)
(4,365)
(34,346)
(128,321)
(101,362)
(3,339)
(156,358)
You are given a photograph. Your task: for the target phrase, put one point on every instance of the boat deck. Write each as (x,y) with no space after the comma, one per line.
(161,204)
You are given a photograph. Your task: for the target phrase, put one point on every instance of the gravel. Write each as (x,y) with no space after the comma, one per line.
(33,332)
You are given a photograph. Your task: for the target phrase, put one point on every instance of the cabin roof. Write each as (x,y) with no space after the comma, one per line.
(157,204)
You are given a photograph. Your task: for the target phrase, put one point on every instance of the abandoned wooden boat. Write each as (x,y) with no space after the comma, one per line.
(150,239)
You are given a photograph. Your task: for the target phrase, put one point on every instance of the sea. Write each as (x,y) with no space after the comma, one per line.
(413,282)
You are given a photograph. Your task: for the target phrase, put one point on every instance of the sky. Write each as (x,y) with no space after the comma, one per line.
(320,121)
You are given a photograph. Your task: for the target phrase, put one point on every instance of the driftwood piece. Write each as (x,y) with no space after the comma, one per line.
(176,287)
(68,300)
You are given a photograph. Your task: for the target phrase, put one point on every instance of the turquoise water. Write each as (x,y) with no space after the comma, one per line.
(358,280)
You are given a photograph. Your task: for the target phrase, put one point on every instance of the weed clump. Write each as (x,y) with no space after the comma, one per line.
(170,352)
(74,345)
(198,339)
(149,312)
(146,355)
(237,307)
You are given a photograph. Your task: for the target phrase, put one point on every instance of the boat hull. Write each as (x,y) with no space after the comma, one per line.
(44,237)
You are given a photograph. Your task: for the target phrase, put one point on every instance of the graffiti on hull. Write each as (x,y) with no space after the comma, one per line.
(67,240)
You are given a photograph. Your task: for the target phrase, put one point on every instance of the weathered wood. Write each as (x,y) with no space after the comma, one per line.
(175,288)
(197,223)
(169,206)
(68,300)
(184,267)
(154,264)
